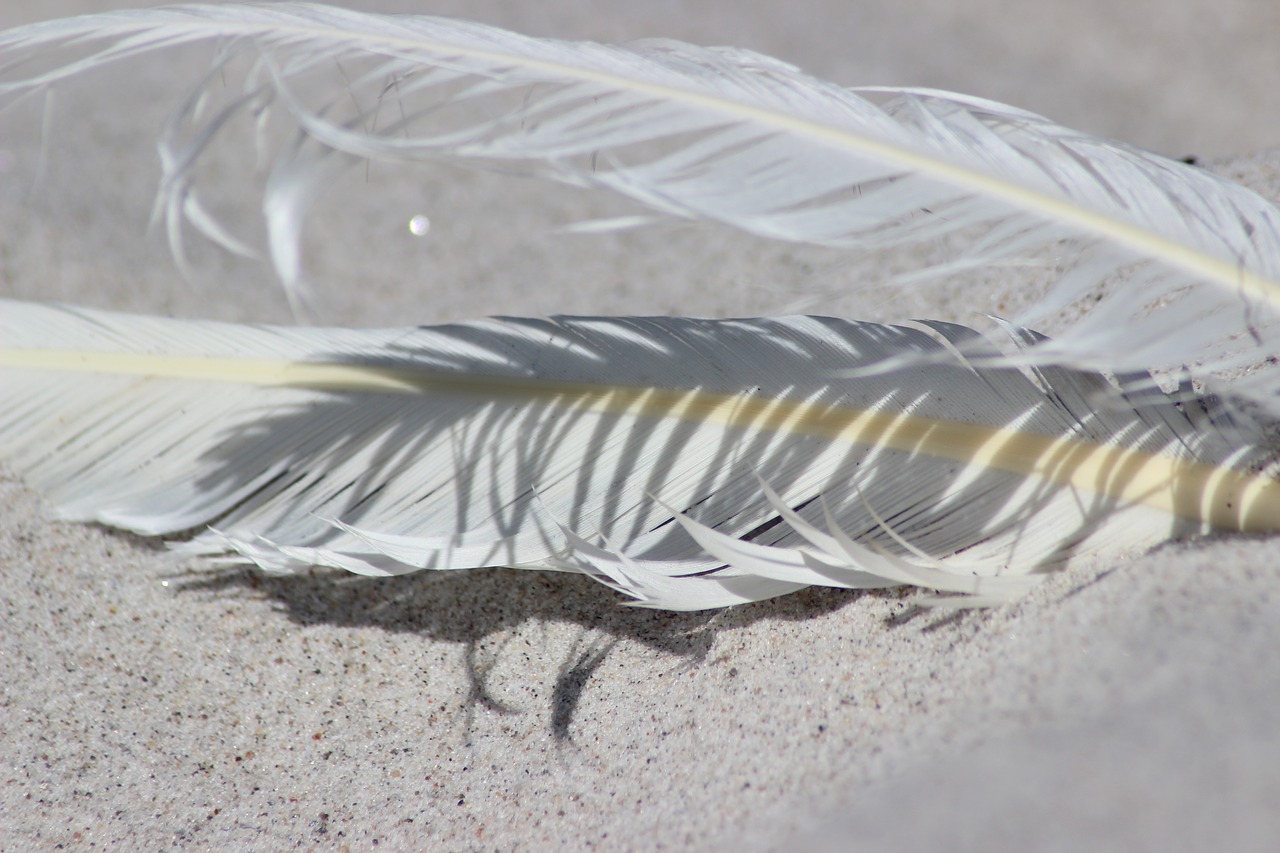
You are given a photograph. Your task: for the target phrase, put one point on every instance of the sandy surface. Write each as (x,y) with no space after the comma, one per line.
(1129,706)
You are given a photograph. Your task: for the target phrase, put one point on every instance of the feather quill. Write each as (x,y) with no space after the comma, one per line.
(687,463)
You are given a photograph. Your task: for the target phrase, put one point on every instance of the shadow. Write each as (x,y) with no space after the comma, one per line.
(1088,584)
(936,618)
(461,608)
(570,683)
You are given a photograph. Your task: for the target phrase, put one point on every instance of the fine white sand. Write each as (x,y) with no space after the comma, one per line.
(145,703)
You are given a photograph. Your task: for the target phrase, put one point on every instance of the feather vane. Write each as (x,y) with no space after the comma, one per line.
(688,463)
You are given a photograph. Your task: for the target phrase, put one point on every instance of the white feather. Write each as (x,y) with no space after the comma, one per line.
(688,463)
(728,135)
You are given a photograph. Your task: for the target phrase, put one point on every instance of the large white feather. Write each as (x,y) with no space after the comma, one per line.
(728,135)
(688,463)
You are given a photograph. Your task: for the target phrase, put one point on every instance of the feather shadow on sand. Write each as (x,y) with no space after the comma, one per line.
(686,463)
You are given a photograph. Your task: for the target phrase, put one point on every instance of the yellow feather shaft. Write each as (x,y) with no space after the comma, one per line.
(1221,497)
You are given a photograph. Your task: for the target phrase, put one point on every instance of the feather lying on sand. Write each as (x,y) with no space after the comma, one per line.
(687,463)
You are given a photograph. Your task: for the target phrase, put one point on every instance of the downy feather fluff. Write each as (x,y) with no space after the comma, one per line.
(687,463)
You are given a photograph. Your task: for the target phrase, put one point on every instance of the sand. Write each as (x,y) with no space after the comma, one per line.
(147,703)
